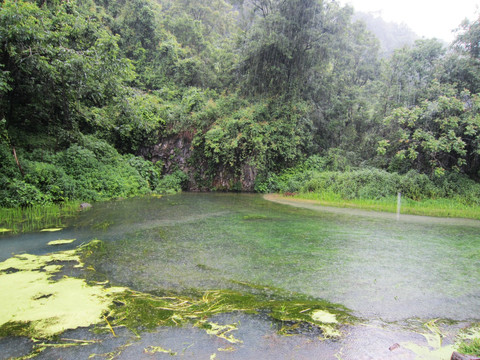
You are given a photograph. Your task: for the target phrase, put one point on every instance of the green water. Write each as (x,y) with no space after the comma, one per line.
(378,268)
(393,275)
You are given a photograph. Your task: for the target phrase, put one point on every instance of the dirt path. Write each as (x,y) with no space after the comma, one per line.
(317,206)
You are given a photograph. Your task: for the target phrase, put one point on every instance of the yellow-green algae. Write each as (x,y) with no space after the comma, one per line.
(4,230)
(434,350)
(227,349)
(428,353)
(61,242)
(221,331)
(46,306)
(139,310)
(158,349)
(41,303)
(324,317)
(51,230)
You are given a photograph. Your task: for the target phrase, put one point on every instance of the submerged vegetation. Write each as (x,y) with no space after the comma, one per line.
(469,340)
(144,311)
(471,347)
(52,303)
(139,310)
(36,217)
(69,301)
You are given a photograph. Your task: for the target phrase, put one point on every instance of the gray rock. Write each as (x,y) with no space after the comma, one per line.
(85,205)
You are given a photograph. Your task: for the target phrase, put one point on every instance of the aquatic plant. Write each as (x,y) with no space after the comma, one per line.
(469,341)
(472,347)
(41,306)
(60,242)
(51,304)
(37,217)
(137,310)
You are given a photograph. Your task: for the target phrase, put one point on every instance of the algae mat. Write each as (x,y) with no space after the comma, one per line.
(46,306)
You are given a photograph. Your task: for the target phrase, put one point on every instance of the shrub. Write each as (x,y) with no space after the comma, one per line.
(8,166)
(148,171)
(19,193)
(173,183)
(363,183)
(51,180)
(89,171)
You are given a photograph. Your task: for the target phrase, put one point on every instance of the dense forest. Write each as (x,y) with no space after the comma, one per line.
(102,99)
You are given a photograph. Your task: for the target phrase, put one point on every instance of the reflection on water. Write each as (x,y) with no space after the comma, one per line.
(378,267)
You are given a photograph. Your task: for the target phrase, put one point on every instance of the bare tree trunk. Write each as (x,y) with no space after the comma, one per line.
(18,162)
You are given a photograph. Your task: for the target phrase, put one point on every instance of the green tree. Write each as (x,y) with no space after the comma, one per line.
(344,85)
(462,66)
(57,60)
(281,46)
(438,135)
(408,73)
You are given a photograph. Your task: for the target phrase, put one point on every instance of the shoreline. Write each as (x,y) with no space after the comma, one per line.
(317,206)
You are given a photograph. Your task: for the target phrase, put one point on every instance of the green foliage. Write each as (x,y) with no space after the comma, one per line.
(19,193)
(50,180)
(471,348)
(268,136)
(100,178)
(280,45)
(138,122)
(318,176)
(469,341)
(57,59)
(172,183)
(371,184)
(92,171)
(409,73)
(438,135)
(252,89)
(292,180)
(8,166)
(147,170)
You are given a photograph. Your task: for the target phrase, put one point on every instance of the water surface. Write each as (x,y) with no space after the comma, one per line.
(376,267)
(383,270)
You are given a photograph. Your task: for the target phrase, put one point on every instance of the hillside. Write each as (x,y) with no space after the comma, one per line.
(391,35)
(111,98)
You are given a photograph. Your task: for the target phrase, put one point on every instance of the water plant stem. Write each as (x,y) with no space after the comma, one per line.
(32,218)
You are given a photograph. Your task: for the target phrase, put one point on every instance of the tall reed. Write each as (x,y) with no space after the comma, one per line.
(31,218)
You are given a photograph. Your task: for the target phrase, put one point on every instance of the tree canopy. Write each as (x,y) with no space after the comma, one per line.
(227,92)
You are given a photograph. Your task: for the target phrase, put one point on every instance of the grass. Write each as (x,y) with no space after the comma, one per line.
(429,207)
(32,218)
(469,343)
(470,348)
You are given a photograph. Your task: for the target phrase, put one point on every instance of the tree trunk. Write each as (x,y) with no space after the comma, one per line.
(16,160)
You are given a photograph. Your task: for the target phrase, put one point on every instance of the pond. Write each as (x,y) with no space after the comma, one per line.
(407,283)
